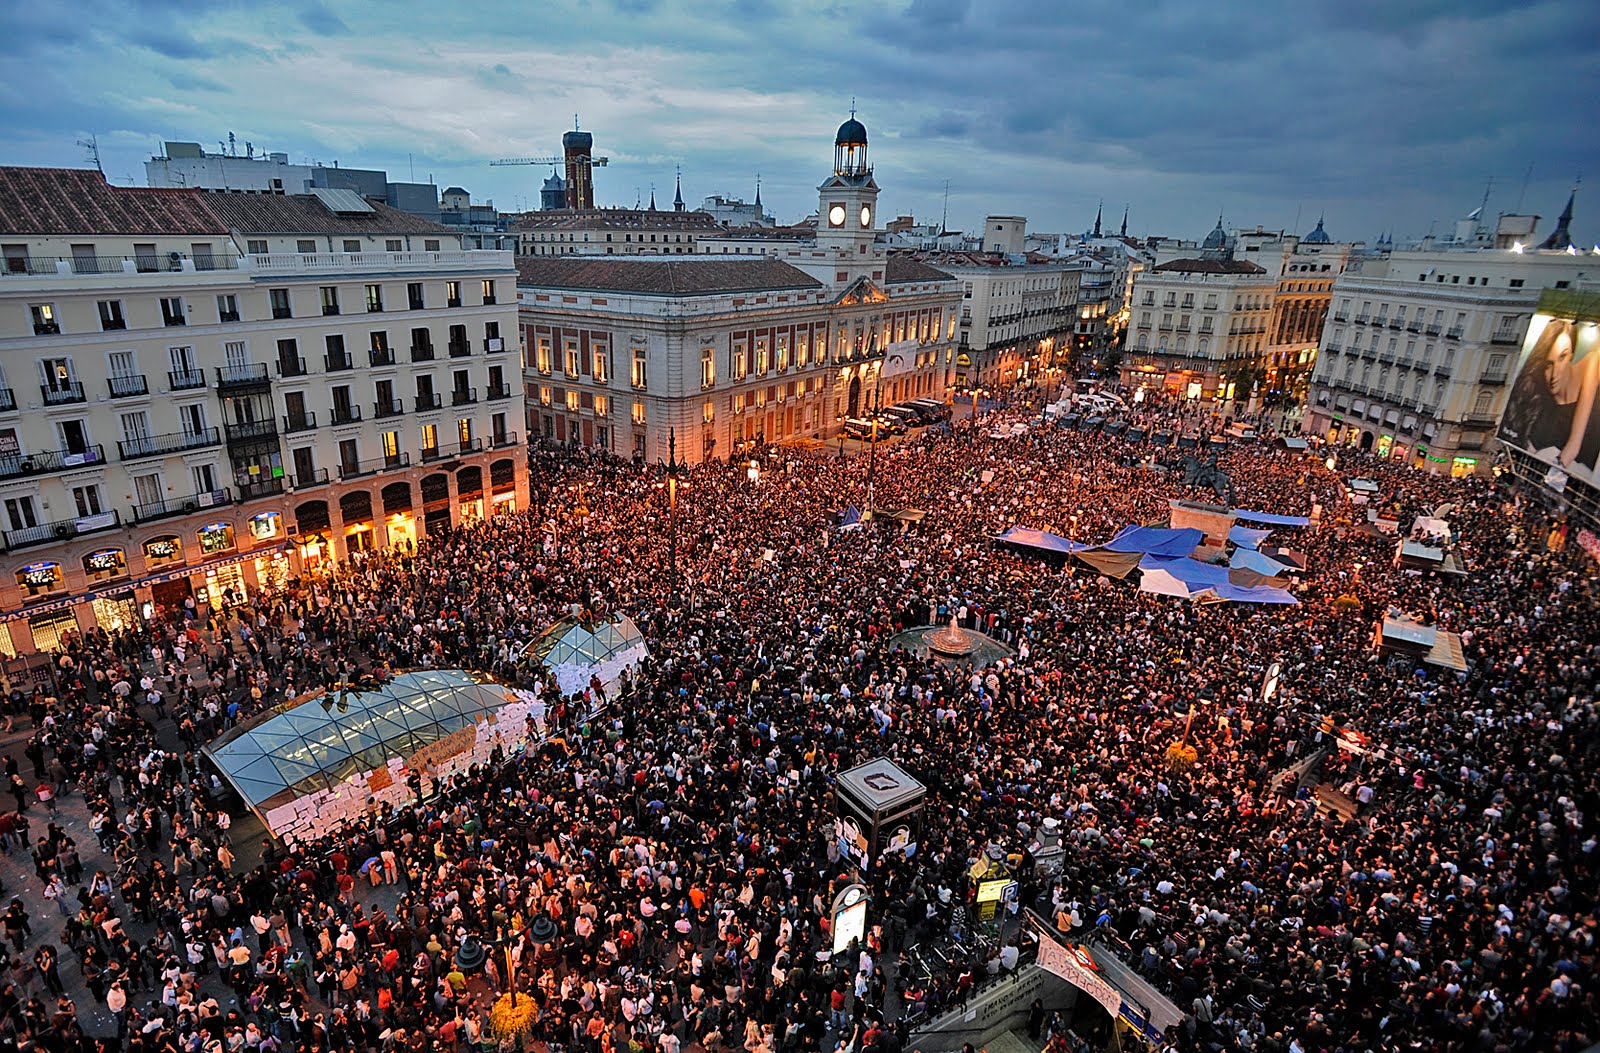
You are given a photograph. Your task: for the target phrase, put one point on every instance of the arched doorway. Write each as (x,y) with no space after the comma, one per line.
(1366,442)
(355,508)
(436,502)
(311,533)
(503,486)
(855,397)
(469,490)
(400,526)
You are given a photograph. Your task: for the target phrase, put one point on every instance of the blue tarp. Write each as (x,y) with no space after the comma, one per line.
(1247,537)
(1175,576)
(1040,539)
(1250,559)
(851,519)
(1156,541)
(1270,519)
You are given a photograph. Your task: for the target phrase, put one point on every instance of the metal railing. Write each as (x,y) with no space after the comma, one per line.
(8,399)
(174,442)
(460,349)
(380,356)
(493,345)
(248,430)
(503,391)
(1493,377)
(248,374)
(45,266)
(261,488)
(182,506)
(306,421)
(422,352)
(62,393)
(463,396)
(503,439)
(333,363)
(17,464)
(372,466)
(392,408)
(1506,336)
(186,379)
(427,402)
(291,367)
(346,414)
(306,480)
(128,386)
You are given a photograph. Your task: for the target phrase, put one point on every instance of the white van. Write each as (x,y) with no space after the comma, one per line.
(1240,430)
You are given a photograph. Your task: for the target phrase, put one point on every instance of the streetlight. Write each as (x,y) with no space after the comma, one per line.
(674,466)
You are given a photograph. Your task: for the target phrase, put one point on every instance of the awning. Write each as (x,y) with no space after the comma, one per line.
(1028,537)
(1250,559)
(1270,518)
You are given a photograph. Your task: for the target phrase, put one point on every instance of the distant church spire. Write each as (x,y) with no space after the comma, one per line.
(1124,220)
(1561,237)
(758,194)
(652,197)
(1097,212)
(677,197)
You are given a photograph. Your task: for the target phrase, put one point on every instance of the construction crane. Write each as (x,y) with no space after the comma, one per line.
(599,162)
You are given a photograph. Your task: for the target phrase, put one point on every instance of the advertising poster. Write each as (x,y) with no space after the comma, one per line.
(1552,411)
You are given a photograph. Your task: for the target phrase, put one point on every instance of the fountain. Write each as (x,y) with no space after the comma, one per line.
(952,641)
(952,644)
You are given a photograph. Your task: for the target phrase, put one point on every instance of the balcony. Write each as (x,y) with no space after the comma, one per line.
(1341,317)
(380,356)
(463,396)
(1363,319)
(186,379)
(1506,336)
(470,446)
(493,345)
(175,442)
(392,408)
(460,349)
(372,466)
(1397,323)
(1493,377)
(62,530)
(1476,421)
(128,386)
(1453,333)
(227,316)
(256,488)
(300,422)
(292,367)
(251,430)
(336,363)
(18,464)
(338,263)
(432,453)
(62,393)
(346,415)
(307,480)
(182,506)
(50,266)
(426,402)
(8,399)
(1443,371)
(1413,327)
(242,377)
(500,440)
(496,393)
(1433,330)
(422,352)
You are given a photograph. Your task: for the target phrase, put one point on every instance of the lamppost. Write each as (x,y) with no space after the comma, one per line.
(877,407)
(674,466)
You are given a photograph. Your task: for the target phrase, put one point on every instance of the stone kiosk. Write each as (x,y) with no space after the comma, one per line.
(878,808)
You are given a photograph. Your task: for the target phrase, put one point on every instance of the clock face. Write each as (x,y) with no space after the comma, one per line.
(866,216)
(836,216)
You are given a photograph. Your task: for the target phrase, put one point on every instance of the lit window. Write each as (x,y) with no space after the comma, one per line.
(638,413)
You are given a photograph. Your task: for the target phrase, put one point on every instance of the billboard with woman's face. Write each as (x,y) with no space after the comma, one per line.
(1552,412)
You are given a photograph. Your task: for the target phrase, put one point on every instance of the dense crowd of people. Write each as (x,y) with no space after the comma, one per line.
(677,834)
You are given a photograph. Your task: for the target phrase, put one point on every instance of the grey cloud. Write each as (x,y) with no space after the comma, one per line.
(319,18)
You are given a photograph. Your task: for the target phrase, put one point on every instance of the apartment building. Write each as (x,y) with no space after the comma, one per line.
(202,393)
(1418,353)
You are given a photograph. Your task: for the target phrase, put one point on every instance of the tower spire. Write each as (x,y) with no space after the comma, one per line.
(1124,221)
(1098,209)
(1561,237)
(652,197)
(677,196)
(758,195)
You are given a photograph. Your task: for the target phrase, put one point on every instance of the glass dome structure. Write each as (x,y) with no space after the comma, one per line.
(574,650)
(318,741)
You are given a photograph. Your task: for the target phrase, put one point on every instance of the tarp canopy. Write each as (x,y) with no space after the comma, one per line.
(1194,580)
(1111,564)
(1271,519)
(1247,537)
(1156,541)
(1039,539)
(1250,559)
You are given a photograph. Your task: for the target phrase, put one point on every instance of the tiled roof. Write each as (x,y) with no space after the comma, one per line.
(905,269)
(660,275)
(618,219)
(1211,267)
(64,201)
(305,214)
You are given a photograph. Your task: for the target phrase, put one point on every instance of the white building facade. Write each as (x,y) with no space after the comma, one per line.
(1196,325)
(204,393)
(1420,347)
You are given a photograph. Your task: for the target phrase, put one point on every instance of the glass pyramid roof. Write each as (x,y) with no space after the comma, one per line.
(319,740)
(571,642)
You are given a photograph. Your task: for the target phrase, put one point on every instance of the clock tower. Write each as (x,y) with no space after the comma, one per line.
(847,203)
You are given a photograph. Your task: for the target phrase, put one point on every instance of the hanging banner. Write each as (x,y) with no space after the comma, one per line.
(1074,965)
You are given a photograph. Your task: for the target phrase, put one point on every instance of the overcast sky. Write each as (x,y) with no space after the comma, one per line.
(1385,114)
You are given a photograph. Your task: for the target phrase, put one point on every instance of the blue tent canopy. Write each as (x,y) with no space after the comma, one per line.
(1191,578)
(1247,537)
(1040,539)
(1156,541)
(1271,519)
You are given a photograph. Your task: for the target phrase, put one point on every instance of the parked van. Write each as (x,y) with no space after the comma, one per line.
(905,415)
(859,428)
(932,410)
(1240,430)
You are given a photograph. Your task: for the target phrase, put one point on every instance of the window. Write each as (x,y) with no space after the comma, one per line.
(44,318)
(783,353)
(374,298)
(227,308)
(135,426)
(571,357)
(349,457)
(761,357)
(640,372)
(430,245)
(280,303)
(390,442)
(544,394)
(111,315)
(352,244)
(464,431)
(37,579)
(330,299)
(542,355)
(708,412)
(192,417)
(393,245)
(572,401)
(638,413)
(305,245)
(708,369)
(86,499)
(452,294)
(256,247)
(20,513)
(602,363)
(414,296)
(430,438)
(488,291)
(736,361)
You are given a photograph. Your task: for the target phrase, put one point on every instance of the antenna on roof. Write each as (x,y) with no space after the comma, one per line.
(1525,177)
(91,146)
(944,216)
